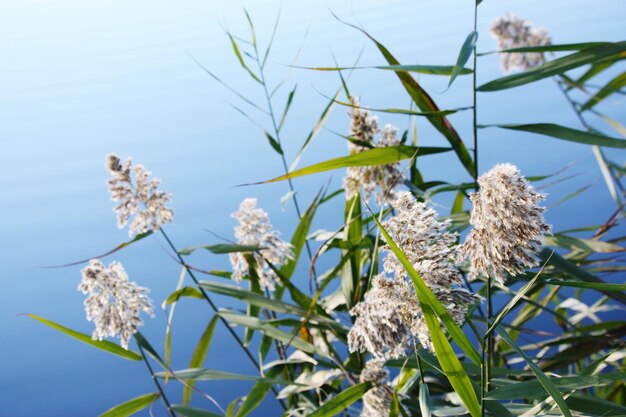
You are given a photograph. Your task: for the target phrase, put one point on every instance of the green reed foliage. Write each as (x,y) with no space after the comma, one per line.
(495,364)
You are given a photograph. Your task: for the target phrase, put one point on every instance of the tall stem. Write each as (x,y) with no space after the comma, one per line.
(487,351)
(215,309)
(270,108)
(168,406)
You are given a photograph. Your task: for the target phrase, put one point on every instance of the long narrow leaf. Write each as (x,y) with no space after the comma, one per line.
(100,344)
(543,379)
(557,66)
(131,407)
(377,156)
(199,354)
(342,401)
(464,55)
(566,133)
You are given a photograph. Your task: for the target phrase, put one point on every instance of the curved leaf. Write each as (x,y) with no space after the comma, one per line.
(100,344)
(464,54)
(342,400)
(193,412)
(377,156)
(131,407)
(557,66)
(566,133)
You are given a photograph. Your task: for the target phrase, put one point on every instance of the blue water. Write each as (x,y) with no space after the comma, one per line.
(81,79)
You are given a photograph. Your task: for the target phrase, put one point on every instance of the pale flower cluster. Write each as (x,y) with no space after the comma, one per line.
(137,194)
(389,318)
(513,32)
(113,303)
(508,225)
(366,179)
(376,401)
(255,230)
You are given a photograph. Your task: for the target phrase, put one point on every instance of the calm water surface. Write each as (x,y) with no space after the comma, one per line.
(81,79)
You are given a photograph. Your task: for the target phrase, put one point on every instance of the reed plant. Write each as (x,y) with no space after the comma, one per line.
(404,322)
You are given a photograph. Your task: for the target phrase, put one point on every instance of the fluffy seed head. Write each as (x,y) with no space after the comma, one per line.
(113,302)
(366,179)
(376,401)
(137,195)
(508,225)
(255,230)
(513,32)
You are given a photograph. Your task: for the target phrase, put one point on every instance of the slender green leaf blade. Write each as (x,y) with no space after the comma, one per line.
(566,133)
(464,55)
(342,400)
(182,292)
(131,407)
(377,156)
(557,66)
(199,354)
(543,379)
(193,412)
(100,344)
(611,87)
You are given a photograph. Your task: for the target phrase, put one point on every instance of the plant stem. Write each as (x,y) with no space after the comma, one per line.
(282,156)
(158,385)
(487,350)
(215,309)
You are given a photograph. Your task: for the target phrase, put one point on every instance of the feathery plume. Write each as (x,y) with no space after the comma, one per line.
(508,225)
(365,179)
(255,230)
(384,319)
(390,318)
(139,196)
(113,303)
(513,32)
(376,401)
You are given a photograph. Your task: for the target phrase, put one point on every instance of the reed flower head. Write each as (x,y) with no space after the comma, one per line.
(425,241)
(384,319)
(365,179)
(255,230)
(113,303)
(137,194)
(513,32)
(508,225)
(390,318)
(376,401)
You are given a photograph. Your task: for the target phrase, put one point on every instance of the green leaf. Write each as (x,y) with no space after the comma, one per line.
(557,66)
(585,245)
(603,286)
(256,299)
(562,264)
(543,379)
(421,69)
(447,357)
(269,330)
(115,249)
(595,406)
(199,354)
(464,54)
(298,240)
(551,48)
(534,389)
(424,400)
(257,394)
(611,87)
(241,61)
(201,374)
(287,106)
(221,248)
(377,156)
(100,344)
(274,143)
(131,407)
(182,292)
(193,412)
(342,400)
(566,133)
